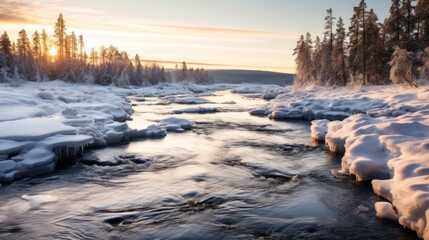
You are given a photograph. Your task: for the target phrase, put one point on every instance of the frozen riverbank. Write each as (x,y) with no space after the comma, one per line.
(384,138)
(43,123)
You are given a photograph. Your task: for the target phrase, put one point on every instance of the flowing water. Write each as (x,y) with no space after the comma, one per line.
(234,176)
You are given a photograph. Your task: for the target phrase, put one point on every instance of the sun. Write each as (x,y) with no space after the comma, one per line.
(53,52)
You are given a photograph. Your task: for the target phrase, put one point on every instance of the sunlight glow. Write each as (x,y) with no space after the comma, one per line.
(53,52)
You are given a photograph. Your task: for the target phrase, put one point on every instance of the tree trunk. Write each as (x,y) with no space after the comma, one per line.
(364,47)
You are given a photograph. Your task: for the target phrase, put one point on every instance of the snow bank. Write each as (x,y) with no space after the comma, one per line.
(387,142)
(42,123)
(340,103)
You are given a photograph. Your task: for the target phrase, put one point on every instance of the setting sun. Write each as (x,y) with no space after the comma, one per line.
(53,52)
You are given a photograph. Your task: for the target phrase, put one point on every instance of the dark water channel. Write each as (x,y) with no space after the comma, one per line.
(234,176)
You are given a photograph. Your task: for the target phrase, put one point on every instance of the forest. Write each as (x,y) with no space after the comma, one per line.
(371,52)
(63,56)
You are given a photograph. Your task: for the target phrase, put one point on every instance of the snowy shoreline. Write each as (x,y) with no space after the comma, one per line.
(383,132)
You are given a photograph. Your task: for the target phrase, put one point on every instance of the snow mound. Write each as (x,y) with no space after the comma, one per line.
(176,124)
(154,131)
(319,129)
(385,210)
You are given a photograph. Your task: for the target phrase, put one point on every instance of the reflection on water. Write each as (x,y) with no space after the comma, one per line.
(233,176)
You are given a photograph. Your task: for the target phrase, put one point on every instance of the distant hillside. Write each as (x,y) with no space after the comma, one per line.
(247,76)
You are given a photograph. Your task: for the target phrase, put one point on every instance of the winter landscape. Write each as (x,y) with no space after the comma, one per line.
(190,125)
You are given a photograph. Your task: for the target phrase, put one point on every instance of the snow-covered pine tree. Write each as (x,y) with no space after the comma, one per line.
(6,58)
(132,74)
(25,64)
(303,63)
(139,72)
(401,70)
(183,72)
(339,55)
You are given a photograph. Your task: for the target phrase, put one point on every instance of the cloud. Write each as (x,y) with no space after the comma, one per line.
(14,11)
(227,31)
(46,11)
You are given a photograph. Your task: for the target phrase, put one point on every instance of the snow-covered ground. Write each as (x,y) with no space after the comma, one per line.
(383,132)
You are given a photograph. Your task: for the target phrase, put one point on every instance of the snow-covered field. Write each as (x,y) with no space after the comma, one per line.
(384,138)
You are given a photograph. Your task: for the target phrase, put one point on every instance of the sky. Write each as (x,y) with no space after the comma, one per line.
(214,34)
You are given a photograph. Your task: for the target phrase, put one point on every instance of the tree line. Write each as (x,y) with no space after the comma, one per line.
(370,52)
(41,57)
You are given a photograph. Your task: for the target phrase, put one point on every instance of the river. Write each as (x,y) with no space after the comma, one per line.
(234,176)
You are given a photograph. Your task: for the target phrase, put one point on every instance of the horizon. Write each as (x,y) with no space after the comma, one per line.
(194,33)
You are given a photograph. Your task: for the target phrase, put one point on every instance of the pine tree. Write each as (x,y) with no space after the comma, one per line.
(358,47)
(316,61)
(374,49)
(23,44)
(327,49)
(6,57)
(81,47)
(409,24)
(339,55)
(73,46)
(353,47)
(24,57)
(45,50)
(67,48)
(394,24)
(93,57)
(139,73)
(422,15)
(37,49)
(183,72)
(60,36)
(362,7)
